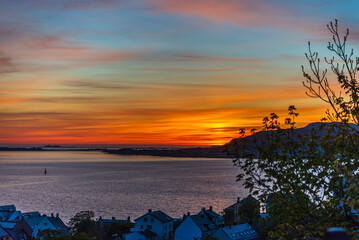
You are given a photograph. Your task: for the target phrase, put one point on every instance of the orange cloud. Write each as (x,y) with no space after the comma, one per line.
(245,13)
(181,57)
(254,13)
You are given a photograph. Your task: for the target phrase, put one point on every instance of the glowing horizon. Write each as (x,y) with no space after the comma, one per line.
(158,72)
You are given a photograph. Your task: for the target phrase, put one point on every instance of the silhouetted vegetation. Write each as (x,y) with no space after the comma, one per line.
(83,224)
(310,182)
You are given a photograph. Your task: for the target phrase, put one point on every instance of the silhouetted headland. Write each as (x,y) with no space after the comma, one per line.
(203,152)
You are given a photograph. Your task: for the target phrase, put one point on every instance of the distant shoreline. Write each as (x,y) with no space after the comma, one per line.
(207,152)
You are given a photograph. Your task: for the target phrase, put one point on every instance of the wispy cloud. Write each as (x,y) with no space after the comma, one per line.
(244,13)
(180,57)
(6,64)
(188,70)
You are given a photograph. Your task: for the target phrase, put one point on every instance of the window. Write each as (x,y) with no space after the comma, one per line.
(152,219)
(149,227)
(145,219)
(141,226)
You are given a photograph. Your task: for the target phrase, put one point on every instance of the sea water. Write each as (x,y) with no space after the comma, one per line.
(114,185)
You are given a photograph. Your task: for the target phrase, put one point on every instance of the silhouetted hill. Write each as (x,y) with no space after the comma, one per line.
(259,139)
(227,150)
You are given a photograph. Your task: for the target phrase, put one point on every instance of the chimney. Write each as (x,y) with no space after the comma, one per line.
(113,218)
(210,208)
(149,210)
(128,219)
(188,213)
(57,215)
(203,209)
(52,215)
(238,199)
(44,215)
(100,218)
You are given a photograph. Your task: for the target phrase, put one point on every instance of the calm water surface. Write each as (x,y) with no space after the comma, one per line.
(113,185)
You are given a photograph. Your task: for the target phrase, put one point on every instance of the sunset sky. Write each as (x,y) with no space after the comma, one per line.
(157,72)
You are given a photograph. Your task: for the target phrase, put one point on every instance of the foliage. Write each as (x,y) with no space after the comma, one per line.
(48,234)
(310,181)
(247,211)
(117,229)
(58,235)
(228,217)
(82,222)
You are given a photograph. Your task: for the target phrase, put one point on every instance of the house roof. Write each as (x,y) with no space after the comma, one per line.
(33,221)
(148,233)
(108,221)
(239,202)
(8,208)
(3,233)
(7,225)
(159,215)
(33,214)
(58,223)
(13,235)
(5,215)
(207,220)
(15,216)
(240,232)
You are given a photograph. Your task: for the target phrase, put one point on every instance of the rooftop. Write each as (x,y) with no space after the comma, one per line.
(159,215)
(240,232)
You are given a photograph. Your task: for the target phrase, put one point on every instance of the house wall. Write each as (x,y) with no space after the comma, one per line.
(6,238)
(23,227)
(44,224)
(135,236)
(188,230)
(153,224)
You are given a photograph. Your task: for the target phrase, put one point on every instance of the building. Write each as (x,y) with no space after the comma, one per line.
(59,224)
(232,213)
(39,223)
(156,222)
(141,235)
(102,222)
(237,232)
(8,213)
(205,223)
(4,235)
(7,208)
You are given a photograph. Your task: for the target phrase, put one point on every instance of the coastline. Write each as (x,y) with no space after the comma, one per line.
(196,152)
